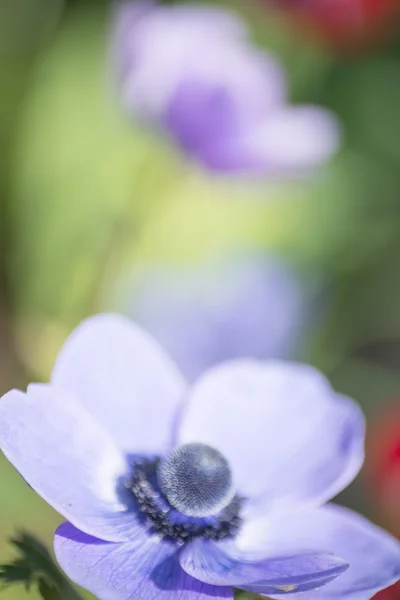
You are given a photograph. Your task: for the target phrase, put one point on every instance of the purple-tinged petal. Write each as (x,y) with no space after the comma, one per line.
(287,141)
(373,555)
(142,570)
(225,105)
(68,459)
(155,77)
(123,378)
(223,564)
(289,438)
(151,72)
(138,23)
(228,100)
(216,116)
(297,137)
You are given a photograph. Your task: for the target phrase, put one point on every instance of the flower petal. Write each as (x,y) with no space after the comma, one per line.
(214,106)
(222,564)
(143,570)
(373,555)
(244,305)
(297,137)
(289,141)
(289,438)
(67,459)
(156,78)
(124,380)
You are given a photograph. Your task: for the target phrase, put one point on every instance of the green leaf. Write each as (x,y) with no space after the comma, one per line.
(35,566)
(17,572)
(47,590)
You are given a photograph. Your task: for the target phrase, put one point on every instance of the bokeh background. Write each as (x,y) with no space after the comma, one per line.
(90,202)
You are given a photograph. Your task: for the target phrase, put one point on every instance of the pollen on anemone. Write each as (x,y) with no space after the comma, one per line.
(176,491)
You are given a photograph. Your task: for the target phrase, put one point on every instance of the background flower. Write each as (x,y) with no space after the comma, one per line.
(252,305)
(390,593)
(382,474)
(382,467)
(225,105)
(346,25)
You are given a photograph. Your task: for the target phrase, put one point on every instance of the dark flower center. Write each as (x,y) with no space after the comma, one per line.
(196,479)
(158,496)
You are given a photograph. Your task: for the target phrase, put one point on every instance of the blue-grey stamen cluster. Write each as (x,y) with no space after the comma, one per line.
(163,518)
(196,479)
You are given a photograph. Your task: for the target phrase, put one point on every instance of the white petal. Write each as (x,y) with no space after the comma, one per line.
(122,377)
(289,438)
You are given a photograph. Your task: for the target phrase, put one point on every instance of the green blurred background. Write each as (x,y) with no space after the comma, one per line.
(86,196)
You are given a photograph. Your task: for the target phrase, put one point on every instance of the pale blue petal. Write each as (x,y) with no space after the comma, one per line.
(68,459)
(123,378)
(290,439)
(140,570)
(223,564)
(373,555)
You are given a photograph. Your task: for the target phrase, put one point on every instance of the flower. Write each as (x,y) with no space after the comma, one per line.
(382,464)
(192,72)
(384,446)
(382,473)
(249,305)
(177,492)
(344,24)
(390,593)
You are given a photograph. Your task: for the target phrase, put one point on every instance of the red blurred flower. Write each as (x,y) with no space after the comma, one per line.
(344,24)
(382,465)
(391,593)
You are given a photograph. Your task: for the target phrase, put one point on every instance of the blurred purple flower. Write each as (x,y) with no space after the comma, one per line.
(192,71)
(172,492)
(244,306)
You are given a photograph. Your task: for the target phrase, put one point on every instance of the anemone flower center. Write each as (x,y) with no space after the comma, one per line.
(196,479)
